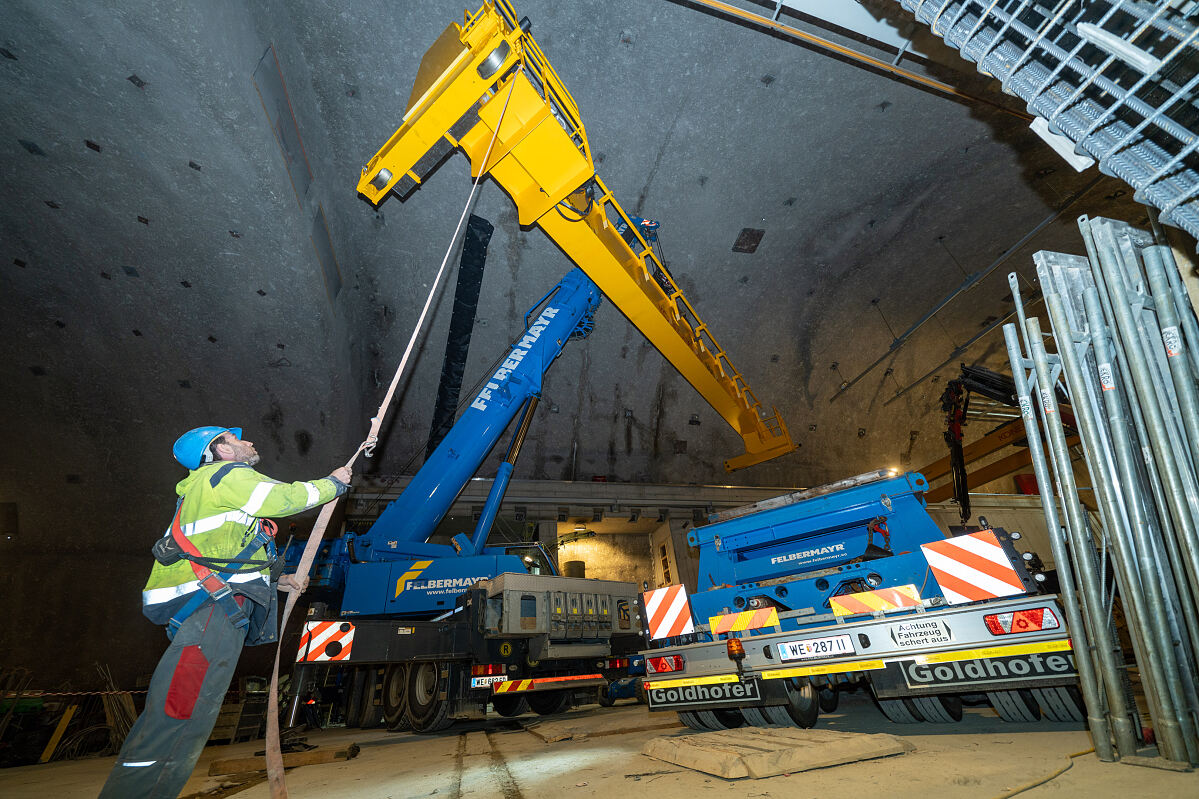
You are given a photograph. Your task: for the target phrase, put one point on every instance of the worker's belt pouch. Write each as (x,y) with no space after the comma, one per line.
(167,551)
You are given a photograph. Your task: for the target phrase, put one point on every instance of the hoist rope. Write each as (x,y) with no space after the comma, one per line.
(274,756)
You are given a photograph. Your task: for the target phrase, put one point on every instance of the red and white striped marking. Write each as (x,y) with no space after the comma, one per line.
(514,686)
(972,567)
(668,611)
(317,637)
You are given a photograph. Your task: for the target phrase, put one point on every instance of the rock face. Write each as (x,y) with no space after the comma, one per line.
(756,752)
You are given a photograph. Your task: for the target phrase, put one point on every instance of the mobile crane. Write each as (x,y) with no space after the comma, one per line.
(453,627)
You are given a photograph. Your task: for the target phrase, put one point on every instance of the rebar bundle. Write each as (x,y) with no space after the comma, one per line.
(1126,349)
(119,712)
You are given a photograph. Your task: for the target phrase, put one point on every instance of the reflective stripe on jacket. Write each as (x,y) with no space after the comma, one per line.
(218,516)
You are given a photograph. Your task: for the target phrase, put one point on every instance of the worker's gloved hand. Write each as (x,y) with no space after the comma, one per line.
(342,474)
(293,583)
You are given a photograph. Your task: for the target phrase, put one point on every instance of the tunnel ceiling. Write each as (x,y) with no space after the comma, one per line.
(181,242)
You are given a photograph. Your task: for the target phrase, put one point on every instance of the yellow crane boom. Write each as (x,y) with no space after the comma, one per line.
(542,159)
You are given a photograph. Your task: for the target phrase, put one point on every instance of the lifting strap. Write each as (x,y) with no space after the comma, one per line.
(274,756)
(216,584)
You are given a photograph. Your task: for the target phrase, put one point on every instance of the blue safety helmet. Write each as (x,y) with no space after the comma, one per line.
(191,448)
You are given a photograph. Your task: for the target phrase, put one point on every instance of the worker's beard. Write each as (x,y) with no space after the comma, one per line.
(246,454)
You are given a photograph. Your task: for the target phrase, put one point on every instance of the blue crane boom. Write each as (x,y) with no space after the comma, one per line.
(391,569)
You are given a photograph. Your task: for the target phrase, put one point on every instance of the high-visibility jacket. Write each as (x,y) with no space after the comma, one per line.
(221,504)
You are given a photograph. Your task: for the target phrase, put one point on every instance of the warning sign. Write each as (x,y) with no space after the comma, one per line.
(913,634)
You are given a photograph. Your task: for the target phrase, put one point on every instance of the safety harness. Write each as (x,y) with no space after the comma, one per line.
(213,573)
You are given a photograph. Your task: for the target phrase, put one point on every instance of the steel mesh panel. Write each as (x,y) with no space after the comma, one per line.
(1117,77)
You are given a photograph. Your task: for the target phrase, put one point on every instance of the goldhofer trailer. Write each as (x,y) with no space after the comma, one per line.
(518,642)
(920,665)
(853,583)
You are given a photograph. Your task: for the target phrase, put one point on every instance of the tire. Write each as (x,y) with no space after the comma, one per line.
(690,720)
(803,705)
(509,705)
(945,709)
(1017,707)
(426,711)
(395,697)
(717,720)
(371,714)
(900,711)
(1061,703)
(547,703)
(353,711)
(829,699)
(757,717)
(601,696)
(729,718)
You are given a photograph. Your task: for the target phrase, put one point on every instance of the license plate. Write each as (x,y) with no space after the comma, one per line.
(483,682)
(832,646)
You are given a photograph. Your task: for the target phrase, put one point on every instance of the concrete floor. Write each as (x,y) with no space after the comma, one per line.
(498,759)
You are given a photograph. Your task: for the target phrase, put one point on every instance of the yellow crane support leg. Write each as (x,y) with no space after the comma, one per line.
(541,158)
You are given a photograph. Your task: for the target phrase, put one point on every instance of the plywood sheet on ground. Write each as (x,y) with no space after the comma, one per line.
(765,752)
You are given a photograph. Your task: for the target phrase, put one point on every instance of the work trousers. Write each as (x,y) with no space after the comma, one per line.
(182,705)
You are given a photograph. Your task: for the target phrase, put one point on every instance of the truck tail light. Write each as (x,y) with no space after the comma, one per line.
(617,663)
(666,663)
(486,670)
(1022,621)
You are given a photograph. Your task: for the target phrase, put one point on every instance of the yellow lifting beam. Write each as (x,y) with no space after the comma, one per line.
(542,159)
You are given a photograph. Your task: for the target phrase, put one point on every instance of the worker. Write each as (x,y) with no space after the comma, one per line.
(213,586)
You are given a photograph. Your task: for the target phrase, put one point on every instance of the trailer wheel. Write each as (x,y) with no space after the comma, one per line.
(1061,703)
(426,711)
(803,706)
(509,705)
(395,697)
(900,711)
(547,703)
(1018,707)
(689,718)
(756,717)
(829,699)
(726,719)
(945,709)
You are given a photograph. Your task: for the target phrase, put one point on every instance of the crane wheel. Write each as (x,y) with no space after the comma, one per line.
(354,696)
(371,710)
(829,699)
(427,712)
(395,697)
(509,705)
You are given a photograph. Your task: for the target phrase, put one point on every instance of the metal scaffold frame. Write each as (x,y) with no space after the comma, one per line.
(1118,78)
(1125,338)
